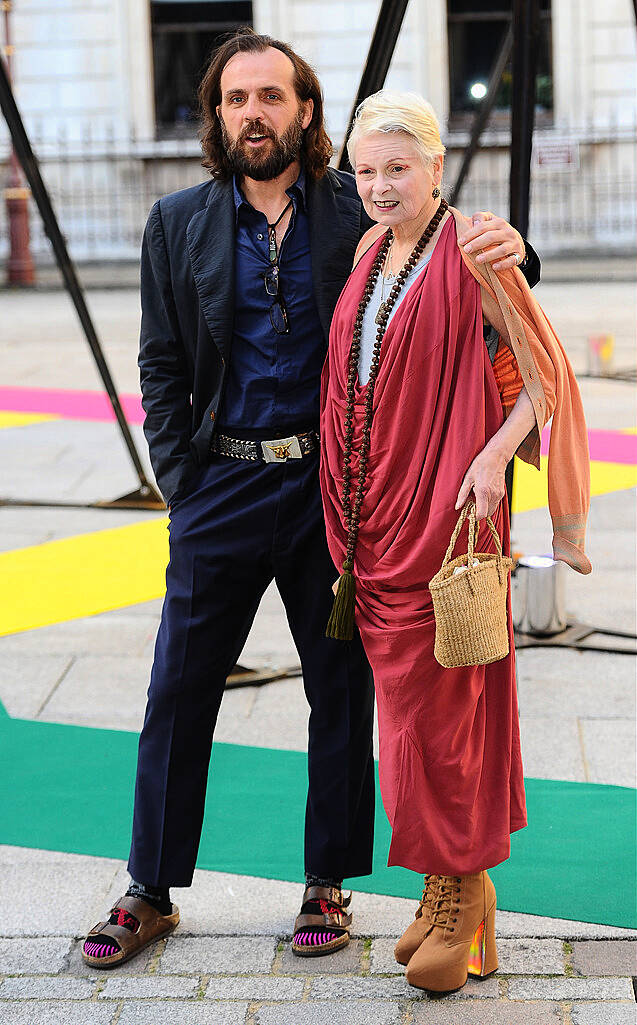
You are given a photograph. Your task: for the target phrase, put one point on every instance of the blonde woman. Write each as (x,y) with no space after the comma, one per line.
(415,419)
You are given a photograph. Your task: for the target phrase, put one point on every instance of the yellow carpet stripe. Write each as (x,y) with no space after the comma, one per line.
(530,486)
(11,419)
(82,575)
(110,569)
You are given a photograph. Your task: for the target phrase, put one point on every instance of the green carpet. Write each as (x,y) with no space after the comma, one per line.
(581,838)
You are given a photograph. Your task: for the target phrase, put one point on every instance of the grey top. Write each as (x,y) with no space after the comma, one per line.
(370,327)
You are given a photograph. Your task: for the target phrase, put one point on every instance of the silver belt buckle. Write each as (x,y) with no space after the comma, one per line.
(280,450)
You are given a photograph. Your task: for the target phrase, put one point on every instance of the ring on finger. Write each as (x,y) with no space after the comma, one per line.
(517,257)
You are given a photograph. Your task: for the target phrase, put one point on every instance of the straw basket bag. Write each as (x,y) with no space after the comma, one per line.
(470,606)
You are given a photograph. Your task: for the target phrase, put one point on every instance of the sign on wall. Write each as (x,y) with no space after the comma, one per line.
(556,154)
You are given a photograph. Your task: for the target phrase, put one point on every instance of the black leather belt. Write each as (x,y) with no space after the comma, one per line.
(275,450)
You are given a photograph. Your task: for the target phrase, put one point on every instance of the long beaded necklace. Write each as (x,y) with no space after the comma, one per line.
(341,622)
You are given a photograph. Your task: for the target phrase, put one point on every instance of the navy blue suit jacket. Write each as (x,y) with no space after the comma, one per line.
(187,293)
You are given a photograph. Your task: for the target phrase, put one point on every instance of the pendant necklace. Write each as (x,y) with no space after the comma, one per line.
(390,279)
(272,233)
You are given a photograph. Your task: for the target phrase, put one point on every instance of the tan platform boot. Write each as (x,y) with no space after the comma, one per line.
(461,940)
(415,933)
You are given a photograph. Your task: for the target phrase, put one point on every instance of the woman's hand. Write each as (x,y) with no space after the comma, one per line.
(486,473)
(489,230)
(486,477)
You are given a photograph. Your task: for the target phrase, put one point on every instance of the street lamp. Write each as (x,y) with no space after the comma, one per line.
(20,270)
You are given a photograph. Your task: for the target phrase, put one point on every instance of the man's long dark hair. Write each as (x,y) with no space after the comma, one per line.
(316,150)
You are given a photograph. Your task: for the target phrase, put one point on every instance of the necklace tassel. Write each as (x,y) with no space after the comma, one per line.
(340,625)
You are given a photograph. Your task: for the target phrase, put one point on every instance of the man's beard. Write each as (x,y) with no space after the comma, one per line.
(263,166)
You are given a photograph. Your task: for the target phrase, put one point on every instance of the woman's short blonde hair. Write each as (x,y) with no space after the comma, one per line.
(389,111)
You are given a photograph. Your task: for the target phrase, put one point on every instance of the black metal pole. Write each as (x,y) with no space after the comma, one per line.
(31,169)
(526,32)
(381,51)
(482,114)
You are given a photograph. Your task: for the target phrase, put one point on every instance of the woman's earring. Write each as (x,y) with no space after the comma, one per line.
(436,192)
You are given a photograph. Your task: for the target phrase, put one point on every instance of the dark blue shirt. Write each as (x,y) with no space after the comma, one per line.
(273,380)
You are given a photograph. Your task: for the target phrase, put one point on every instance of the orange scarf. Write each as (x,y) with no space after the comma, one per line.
(532,357)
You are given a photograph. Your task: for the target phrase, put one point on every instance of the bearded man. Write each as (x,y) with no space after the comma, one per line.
(240,277)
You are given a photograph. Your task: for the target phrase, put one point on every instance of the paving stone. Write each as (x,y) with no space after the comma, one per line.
(486,1012)
(551,748)
(254,988)
(106,691)
(343,1012)
(177,1012)
(370,988)
(604,1014)
(62,1012)
(127,634)
(531,957)
(382,960)
(605,957)
(59,523)
(346,960)
(280,714)
(220,903)
(378,915)
(610,750)
(567,697)
(25,956)
(218,955)
(236,716)
(44,893)
(26,681)
(46,988)
(570,989)
(573,669)
(152,986)
(608,605)
(513,925)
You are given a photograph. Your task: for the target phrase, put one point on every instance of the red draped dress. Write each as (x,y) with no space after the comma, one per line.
(450,763)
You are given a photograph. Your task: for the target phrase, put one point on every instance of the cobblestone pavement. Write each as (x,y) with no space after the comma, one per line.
(230,962)
(229,980)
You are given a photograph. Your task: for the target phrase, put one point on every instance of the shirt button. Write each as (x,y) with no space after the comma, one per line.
(260,237)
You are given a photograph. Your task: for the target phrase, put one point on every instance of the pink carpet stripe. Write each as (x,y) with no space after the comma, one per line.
(68,403)
(605,446)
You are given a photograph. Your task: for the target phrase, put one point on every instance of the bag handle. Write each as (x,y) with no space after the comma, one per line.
(474,526)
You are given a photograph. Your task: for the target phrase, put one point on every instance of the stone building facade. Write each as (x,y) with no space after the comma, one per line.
(106,91)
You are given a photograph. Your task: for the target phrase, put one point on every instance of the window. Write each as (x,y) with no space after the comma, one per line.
(184,33)
(476,30)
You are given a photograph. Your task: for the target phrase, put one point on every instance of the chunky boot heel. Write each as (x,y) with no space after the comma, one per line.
(461,936)
(483,956)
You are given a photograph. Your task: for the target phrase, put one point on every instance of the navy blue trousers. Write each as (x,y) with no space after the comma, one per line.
(238,526)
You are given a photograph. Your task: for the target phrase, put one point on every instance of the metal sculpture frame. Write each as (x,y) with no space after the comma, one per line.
(146,496)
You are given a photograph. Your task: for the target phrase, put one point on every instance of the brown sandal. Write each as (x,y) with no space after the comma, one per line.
(317,934)
(133,925)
